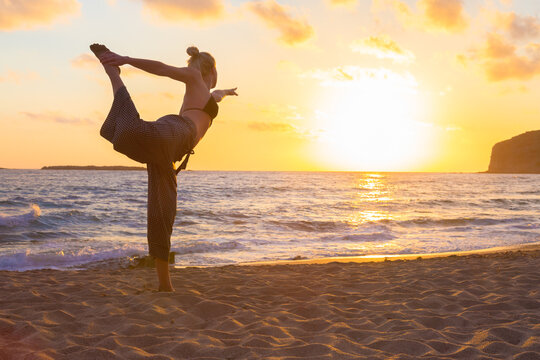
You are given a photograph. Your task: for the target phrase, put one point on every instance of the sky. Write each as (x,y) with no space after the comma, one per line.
(324,85)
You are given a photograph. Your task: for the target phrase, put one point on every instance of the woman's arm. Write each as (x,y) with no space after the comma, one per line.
(183,74)
(218,95)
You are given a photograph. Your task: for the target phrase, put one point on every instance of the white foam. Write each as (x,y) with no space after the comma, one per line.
(21,219)
(34,259)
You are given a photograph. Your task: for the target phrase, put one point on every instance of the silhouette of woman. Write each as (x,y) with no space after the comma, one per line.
(161,143)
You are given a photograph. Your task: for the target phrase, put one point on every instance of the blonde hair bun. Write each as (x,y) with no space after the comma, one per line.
(192,51)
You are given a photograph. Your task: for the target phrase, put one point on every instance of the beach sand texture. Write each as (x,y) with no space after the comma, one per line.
(459,307)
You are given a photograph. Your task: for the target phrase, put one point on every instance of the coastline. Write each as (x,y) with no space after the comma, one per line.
(394,257)
(481,305)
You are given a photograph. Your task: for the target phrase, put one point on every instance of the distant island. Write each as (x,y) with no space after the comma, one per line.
(92,167)
(518,155)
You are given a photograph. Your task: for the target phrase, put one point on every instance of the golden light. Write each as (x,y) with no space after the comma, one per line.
(369,120)
(372,188)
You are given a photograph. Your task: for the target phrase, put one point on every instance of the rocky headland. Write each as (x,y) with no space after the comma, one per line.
(518,155)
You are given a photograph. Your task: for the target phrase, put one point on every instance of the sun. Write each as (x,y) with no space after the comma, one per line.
(370,122)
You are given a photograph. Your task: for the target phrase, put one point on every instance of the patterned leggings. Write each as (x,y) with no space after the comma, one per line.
(158,144)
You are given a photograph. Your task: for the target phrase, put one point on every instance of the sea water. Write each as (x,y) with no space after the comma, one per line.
(73,218)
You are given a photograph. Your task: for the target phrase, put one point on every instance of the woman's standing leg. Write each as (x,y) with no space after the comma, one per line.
(161,214)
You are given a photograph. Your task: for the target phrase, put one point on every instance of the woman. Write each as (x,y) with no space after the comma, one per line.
(161,143)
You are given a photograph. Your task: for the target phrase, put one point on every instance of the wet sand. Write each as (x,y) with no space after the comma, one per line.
(466,306)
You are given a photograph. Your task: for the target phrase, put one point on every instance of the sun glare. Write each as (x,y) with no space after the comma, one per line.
(369,121)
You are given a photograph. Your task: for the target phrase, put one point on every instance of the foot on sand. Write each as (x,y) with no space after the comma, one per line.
(100,49)
(163,289)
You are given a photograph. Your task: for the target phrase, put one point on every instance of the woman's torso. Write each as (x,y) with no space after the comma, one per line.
(195,99)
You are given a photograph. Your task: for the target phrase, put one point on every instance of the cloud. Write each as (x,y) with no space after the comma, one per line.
(519,27)
(400,8)
(497,47)
(58,118)
(431,15)
(343,2)
(383,48)
(363,79)
(284,128)
(177,10)
(89,61)
(502,60)
(85,61)
(265,126)
(514,67)
(27,14)
(293,31)
(444,14)
(17,76)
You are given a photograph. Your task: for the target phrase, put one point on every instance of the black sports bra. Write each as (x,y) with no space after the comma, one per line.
(211,108)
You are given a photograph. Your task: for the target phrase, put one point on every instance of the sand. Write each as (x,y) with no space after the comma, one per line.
(480,306)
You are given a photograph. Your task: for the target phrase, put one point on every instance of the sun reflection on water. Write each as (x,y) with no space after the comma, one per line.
(370,189)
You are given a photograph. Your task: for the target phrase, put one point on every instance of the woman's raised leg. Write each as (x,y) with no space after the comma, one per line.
(114,76)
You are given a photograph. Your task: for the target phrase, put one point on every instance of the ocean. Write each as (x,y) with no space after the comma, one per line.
(65,219)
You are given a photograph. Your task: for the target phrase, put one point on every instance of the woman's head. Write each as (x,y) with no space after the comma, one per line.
(205,63)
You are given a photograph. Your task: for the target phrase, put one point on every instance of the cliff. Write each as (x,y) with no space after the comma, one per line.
(518,155)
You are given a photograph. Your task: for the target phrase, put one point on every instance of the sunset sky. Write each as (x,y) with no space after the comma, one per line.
(360,85)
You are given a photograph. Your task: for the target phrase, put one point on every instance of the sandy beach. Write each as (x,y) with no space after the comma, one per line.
(469,306)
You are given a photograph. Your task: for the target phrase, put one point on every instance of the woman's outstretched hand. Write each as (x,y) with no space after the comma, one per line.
(110,58)
(218,95)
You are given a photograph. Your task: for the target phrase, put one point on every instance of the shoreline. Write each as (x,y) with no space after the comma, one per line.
(141,261)
(394,257)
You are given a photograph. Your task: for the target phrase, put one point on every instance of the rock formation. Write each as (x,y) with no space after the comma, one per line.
(518,155)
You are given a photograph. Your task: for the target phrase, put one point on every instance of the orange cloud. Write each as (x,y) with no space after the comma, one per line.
(431,15)
(514,67)
(175,10)
(274,15)
(444,14)
(265,126)
(343,2)
(286,129)
(502,60)
(497,47)
(519,27)
(383,48)
(27,14)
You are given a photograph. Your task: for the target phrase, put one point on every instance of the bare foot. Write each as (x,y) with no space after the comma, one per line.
(98,50)
(162,289)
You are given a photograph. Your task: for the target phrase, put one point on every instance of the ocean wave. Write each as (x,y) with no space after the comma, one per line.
(64,259)
(310,226)
(452,222)
(22,219)
(376,236)
(196,247)
(46,235)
